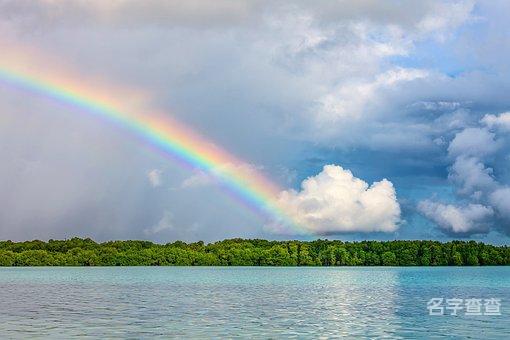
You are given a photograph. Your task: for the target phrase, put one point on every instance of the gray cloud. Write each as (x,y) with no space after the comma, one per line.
(477,142)
(477,183)
(165,224)
(126,13)
(501,121)
(469,219)
(203,14)
(500,198)
(266,79)
(471,176)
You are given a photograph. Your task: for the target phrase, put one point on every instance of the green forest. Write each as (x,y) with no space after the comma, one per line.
(256,252)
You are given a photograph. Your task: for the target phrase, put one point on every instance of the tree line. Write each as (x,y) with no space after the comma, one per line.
(255,252)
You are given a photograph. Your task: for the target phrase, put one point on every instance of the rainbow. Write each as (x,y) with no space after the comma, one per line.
(163,133)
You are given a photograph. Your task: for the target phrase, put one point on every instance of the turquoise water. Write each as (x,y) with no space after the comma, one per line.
(218,302)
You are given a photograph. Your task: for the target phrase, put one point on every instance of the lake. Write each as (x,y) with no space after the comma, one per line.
(257,302)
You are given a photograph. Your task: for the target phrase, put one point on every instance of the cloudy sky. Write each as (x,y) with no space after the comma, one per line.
(377,119)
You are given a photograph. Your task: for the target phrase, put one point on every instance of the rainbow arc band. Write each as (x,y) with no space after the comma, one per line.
(169,137)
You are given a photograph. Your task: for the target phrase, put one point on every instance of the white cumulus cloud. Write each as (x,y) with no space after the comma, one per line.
(334,201)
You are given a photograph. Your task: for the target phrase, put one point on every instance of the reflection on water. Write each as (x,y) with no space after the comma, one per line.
(248,302)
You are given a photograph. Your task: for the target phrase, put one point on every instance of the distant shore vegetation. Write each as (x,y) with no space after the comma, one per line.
(256,252)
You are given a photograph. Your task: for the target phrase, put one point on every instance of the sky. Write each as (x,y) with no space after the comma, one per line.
(375,120)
